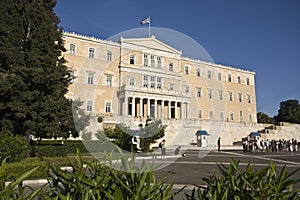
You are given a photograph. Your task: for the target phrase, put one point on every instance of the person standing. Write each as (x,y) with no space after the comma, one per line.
(219,144)
(163,149)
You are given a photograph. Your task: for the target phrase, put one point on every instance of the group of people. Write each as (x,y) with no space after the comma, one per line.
(270,145)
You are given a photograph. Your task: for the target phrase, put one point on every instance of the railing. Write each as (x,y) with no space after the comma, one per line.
(155,90)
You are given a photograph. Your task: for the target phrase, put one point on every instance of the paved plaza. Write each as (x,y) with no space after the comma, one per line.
(190,170)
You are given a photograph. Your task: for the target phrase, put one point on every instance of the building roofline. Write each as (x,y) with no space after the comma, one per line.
(217,65)
(90,38)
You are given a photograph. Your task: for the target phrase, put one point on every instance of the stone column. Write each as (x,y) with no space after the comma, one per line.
(181,110)
(120,107)
(155,108)
(133,107)
(187,111)
(162,109)
(148,107)
(176,113)
(141,107)
(126,106)
(169,109)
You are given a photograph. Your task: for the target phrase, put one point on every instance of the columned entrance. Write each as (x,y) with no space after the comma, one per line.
(154,108)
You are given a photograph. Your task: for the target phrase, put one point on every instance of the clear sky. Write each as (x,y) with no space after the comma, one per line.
(261,36)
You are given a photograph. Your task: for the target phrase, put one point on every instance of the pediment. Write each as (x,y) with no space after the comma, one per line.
(150,43)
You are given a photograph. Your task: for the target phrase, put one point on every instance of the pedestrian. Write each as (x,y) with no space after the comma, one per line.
(219,144)
(177,150)
(162,145)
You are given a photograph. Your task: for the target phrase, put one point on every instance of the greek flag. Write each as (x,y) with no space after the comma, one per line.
(146,21)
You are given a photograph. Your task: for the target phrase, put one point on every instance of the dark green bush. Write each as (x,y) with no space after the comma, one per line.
(12,147)
(15,190)
(16,169)
(56,148)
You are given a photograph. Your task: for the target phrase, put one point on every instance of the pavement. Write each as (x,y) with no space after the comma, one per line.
(197,164)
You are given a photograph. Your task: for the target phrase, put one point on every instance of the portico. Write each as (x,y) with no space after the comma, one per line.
(137,106)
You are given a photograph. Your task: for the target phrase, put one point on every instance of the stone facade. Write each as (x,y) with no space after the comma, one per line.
(137,78)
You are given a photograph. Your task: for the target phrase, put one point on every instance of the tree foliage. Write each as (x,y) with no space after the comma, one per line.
(19,143)
(33,74)
(264,118)
(289,111)
(122,135)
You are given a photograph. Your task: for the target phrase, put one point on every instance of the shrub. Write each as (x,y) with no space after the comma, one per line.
(97,181)
(232,183)
(16,169)
(15,190)
(12,147)
(56,148)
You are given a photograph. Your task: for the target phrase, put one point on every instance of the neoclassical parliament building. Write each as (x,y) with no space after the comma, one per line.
(137,78)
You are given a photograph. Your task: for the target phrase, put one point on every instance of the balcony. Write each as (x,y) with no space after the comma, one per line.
(160,91)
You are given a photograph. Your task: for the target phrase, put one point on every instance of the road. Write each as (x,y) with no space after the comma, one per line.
(191,169)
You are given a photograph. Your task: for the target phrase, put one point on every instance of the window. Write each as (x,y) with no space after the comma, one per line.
(241,116)
(211,115)
(152,61)
(229,78)
(240,97)
(152,81)
(91,52)
(158,82)
(199,113)
(187,89)
(198,72)
(186,70)
(158,62)
(132,59)
(131,81)
(89,105)
(145,81)
(209,74)
(221,115)
(171,68)
(146,60)
(171,86)
(72,75)
(250,118)
(220,94)
(109,80)
(209,91)
(230,96)
(72,49)
(199,92)
(248,98)
(108,107)
(91,76)
(239,79)
(231,116)
(109,56)
(219,76)
(248,81)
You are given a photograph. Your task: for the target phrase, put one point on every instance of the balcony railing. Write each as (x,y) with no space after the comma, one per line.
(160,91)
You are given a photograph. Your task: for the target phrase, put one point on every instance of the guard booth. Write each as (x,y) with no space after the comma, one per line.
(135,140)
(201,138)
(255,136)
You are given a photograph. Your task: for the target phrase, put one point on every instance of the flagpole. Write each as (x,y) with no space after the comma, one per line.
(149,27)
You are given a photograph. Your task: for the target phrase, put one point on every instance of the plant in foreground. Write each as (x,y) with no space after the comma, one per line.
(95,180)
(232,183)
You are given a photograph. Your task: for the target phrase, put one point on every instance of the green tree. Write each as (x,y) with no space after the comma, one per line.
(122,135)
(33,76)
(264,118)
(152,131)
(289,111)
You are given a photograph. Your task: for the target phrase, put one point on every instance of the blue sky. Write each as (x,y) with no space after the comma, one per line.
(261,36)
